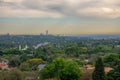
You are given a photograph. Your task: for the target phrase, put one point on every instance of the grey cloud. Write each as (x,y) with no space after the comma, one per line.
(44,5)
(76,8)
(11,5)
(2,3)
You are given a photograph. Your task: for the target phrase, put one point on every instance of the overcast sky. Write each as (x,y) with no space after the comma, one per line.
(60,16)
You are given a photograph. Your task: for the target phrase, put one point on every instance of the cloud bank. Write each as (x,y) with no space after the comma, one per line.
(60,8)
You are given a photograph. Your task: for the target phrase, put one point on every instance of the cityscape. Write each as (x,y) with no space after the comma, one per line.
(59,39)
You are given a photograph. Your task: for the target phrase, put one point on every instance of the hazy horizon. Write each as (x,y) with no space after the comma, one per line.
(60,16)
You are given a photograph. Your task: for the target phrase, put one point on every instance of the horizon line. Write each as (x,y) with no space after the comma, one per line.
(65,34)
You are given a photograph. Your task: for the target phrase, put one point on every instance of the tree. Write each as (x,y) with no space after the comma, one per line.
(99,73)
(25,66)
(71,71)
(13,74)
(35,62)
(41,53)
(48,72)
(24,57)
(53,69)
(62,70)
(83,49)
(59,65)
(72,51)
(14,62)
(12,52)
(111,59)
(114,74)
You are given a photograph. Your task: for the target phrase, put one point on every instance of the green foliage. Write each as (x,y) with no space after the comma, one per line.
(72,51)
(35,62)
(99,73)
(53,69)
(62,70)
(14,61)
(12,52)
(114,74)
(80,62)
(103,48)
(48,72)
(41,53)
(71,71)
(78,49)
(24,57)
(13,74)
(83,49)
(59,65)
(24,67)
(111,59)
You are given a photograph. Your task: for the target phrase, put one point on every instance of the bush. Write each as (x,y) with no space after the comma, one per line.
(35,62)
(24,66)
(14,74)
(14,61)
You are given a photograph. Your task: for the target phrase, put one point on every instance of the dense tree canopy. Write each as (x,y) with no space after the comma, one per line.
(114,74)
(111,59)
(14,61)
(12,52)
(71,71)
(13,74)
(99,73)
(62,70)
(83,50)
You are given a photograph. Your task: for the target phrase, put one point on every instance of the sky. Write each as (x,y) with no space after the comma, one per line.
(60,16)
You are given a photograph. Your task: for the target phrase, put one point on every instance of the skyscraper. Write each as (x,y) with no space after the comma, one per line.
(47,32)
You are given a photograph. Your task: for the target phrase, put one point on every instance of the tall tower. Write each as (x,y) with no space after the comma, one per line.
(20,47)
(47,32)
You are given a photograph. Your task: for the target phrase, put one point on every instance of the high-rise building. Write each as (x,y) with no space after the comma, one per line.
(8,34)
(47,32)
(20,47)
